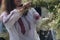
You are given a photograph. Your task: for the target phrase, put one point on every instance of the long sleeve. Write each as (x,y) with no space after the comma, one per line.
(12,17)
(35,15)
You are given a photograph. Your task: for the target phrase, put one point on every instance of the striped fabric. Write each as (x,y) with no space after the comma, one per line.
(28,21)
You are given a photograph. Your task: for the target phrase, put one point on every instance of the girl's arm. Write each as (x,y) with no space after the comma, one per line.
(12,17)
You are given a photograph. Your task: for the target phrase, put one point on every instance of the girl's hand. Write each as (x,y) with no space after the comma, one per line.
(27,5)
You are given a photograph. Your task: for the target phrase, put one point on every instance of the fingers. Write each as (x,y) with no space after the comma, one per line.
(27,5)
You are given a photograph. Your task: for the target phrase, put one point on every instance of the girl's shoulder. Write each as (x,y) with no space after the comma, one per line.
(3,13)
(32,10)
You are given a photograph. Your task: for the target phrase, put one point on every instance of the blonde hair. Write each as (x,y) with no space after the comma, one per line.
(3,6)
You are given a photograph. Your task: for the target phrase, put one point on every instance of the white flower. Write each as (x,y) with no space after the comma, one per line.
(58,10)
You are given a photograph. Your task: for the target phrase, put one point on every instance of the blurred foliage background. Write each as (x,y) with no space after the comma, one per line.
(53,7)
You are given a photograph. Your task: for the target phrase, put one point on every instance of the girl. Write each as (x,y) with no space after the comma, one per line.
(19,22)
